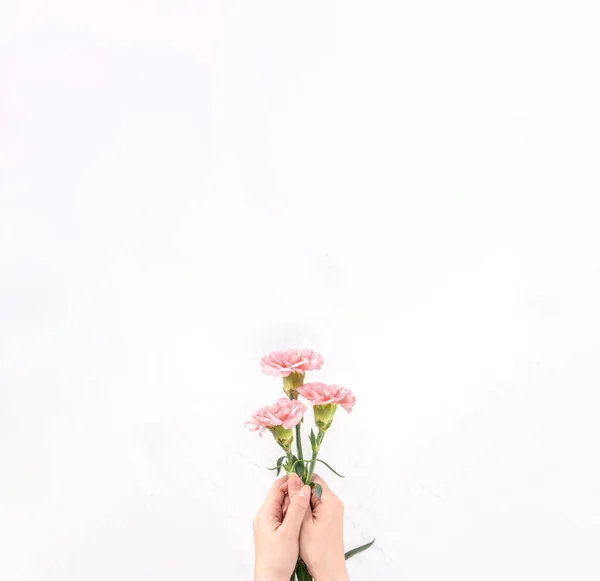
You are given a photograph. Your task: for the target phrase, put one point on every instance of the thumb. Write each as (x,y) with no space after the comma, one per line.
(294,484)
(299,501)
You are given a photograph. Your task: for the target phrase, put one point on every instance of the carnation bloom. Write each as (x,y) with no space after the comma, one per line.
(325,399)
(287,361)
(279,419)
(322,394)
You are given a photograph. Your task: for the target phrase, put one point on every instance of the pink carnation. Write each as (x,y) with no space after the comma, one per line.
(322,394)
(287,361)
(284,412)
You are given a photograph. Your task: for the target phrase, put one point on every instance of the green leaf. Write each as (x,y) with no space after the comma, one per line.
(279,462)
(312,437)
(330,468)
(360,549)
(299,470)
(302,571)
(318,490)
(278,467)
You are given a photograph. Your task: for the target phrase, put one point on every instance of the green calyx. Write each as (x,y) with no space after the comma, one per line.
(291,383)
(324,415)
(283,437)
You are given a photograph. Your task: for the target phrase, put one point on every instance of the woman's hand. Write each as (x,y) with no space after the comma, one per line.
(275,535)
(322,534)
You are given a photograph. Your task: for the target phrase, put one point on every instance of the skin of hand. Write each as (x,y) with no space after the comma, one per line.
(322,533)
(276,537)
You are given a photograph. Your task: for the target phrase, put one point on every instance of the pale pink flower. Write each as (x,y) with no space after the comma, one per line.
(284,412)
(322,394)
(287,361)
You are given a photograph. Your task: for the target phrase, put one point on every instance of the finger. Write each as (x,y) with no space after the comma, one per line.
(291,487)
(286,504)
(275,495)
(294,484)
(308,517)
(297,509)
(272,509)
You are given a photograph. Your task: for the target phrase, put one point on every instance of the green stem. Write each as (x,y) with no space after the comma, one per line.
(298,434)
(299,441)
(316,448)
(308,462)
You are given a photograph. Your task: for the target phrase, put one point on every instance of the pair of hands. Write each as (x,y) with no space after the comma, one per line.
(293,522)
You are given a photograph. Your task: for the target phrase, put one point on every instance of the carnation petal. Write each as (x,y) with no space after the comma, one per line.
(322,394)
(286,361)
(284,412)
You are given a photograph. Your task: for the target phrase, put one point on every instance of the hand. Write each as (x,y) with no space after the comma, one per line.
(276,538)
(322,534)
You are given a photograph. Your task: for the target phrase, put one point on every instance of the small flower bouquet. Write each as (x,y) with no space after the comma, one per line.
(287,414)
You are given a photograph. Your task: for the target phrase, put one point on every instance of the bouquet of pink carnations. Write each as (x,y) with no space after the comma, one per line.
(287,413)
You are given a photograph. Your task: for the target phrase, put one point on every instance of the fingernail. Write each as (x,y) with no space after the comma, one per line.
(305,491)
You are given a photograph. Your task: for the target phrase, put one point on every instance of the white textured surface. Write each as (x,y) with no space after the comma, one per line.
(410,188)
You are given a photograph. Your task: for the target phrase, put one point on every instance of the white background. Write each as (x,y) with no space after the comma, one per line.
(412,188)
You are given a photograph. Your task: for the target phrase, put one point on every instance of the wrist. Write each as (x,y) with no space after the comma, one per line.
(269,576)
(338,573)
(258,577)
(340,577)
